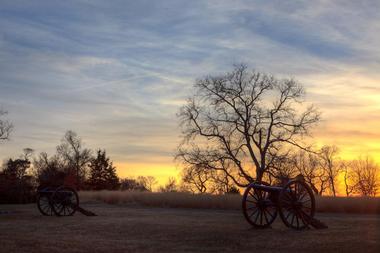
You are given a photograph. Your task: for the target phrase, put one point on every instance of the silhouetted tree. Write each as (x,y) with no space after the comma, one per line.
(331,165)
(16,186)
(198,179)
(75,156)
(222,183)
(349,185)
(170,186)
(233,190)
(5,126)
(242,121)
(365,176)
(309,165)
(102,173)
(49,170)
(131,184)
(148,182)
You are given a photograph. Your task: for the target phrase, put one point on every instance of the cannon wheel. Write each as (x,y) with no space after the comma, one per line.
(296,204)
(43,203)
(65,201)
(258,208)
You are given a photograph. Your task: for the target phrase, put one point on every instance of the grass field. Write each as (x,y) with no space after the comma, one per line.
(136,228)
(359,205)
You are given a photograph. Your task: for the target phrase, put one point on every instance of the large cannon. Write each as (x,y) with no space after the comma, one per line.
(294,202)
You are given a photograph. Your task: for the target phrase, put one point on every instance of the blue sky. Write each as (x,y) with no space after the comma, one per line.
(116,72)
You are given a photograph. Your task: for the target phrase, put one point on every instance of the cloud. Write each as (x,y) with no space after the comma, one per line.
(118,72)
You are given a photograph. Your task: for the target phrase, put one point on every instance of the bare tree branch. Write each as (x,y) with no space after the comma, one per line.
(240,121)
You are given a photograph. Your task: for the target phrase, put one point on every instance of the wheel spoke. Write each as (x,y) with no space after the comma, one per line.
(293,215)
(265,216)
(254,213)
(253,196)
(257,216)
(272,216)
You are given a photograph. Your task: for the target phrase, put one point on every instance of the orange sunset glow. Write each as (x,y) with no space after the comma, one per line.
(125,99)
(189,126)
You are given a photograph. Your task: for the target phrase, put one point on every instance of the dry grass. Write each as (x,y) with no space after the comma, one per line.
(123,228)
(359,205)
(167,199)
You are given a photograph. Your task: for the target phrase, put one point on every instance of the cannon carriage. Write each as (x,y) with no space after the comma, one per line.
(294,202)
(59,201)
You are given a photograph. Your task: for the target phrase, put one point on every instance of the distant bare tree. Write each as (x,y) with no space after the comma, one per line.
(282,169)
(330,163)
(240,122)
(170,186)
(349,185)
(198,179)
(5,126)
(365,173)
(148,182)
(223,184)
(309,165)
(49,171)
(131,184)
(75,156)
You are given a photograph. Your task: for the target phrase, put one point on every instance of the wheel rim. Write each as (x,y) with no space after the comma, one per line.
(44,205)
(64,201)
(297,205)
(258,208)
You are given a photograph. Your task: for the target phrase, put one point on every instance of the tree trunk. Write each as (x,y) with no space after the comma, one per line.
(259,174)
(333,186)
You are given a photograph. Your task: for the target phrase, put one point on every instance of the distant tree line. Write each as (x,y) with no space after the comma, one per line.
(72,165)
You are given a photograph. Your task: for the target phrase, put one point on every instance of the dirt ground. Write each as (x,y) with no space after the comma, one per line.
(140,229)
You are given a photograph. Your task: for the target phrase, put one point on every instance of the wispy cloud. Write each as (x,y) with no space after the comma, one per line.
(117,72)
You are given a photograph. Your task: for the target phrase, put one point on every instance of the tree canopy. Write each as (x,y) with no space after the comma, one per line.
(243,121)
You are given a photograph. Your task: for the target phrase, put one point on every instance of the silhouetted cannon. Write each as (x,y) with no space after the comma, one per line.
(60,201)
(294,202)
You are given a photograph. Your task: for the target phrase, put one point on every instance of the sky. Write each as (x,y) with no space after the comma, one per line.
(117,72)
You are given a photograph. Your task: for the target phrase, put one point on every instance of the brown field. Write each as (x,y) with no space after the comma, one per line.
(136,228)
(359,205)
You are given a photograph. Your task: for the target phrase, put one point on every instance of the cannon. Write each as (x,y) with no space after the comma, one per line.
(60,201)
(294,202)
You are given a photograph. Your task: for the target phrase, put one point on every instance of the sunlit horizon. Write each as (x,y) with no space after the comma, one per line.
(118,74)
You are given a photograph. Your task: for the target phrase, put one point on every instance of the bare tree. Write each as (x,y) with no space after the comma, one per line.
(170,186)
(148,182)
(365,173)
(198,179)
(222,183)
(309,166)
(48,170)
(349,185)
(282,169)
(6,127)
(240,122)
(330,163)
(75,156)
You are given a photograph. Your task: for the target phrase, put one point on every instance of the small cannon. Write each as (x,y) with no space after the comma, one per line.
(59,201)
(294,202)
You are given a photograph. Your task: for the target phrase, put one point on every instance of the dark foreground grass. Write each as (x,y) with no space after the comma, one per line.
(359,205)
(122,228)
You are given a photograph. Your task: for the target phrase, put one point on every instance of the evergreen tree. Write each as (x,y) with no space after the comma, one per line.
(102,173)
